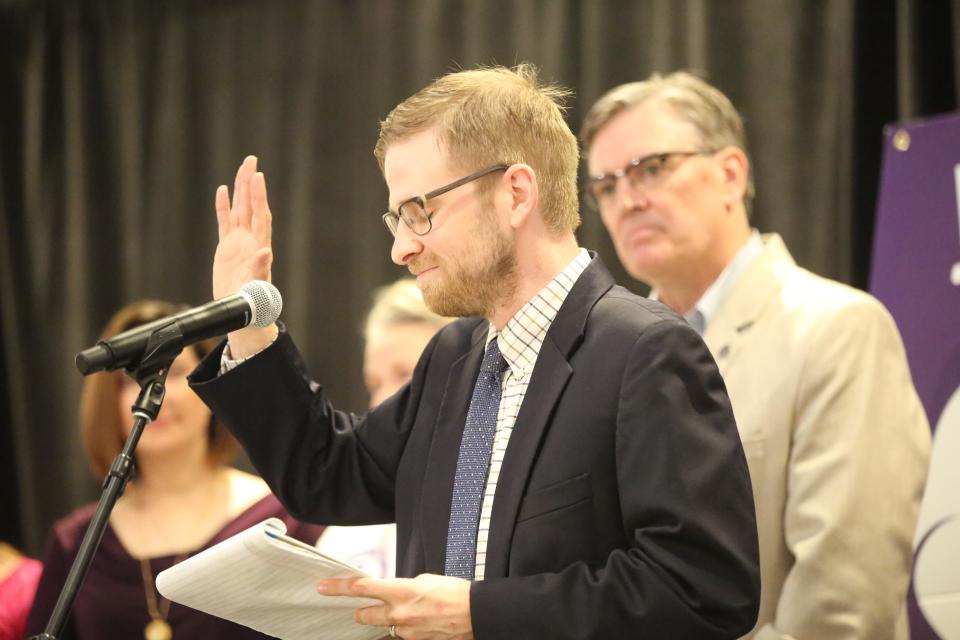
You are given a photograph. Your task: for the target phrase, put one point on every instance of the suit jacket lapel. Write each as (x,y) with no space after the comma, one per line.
(442,460)
(754,290)
(547,382)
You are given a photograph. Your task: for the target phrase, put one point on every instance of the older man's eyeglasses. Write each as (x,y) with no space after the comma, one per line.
(413,212)
(643,173)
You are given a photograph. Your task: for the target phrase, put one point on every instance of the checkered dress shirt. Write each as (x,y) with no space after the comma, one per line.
(520,342)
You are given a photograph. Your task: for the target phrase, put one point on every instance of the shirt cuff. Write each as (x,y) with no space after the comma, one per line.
(227,362)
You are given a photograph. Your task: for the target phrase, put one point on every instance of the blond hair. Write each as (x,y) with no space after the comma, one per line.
(400,303)
(693,99)
(494,115)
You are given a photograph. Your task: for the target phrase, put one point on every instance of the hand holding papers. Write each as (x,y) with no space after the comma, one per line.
(266,580)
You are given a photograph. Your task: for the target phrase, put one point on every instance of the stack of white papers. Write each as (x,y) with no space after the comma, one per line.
(266,580)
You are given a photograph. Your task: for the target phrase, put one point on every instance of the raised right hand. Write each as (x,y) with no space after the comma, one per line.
(244,250)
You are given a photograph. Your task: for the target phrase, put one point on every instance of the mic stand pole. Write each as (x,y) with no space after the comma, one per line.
(151,374)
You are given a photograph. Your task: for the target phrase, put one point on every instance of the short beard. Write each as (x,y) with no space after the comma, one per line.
(478,292)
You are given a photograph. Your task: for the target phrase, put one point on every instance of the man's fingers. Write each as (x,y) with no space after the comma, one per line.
(261,219)
(240,209)
(246,210)
(389,589)
(222,205)
(244,171)
(373,616)
(340,587)
(235,202)
(239,214)
(419,606)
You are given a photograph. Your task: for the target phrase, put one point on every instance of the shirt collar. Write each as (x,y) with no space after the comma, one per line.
(709,303)
(521,338)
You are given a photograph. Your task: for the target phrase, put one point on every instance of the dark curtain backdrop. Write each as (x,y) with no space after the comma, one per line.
(118,119)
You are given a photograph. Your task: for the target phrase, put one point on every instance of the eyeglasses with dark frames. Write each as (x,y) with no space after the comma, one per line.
(413,212)
(643,173)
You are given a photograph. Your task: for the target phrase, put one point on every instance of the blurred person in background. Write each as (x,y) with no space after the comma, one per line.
(18,583)
(835,436)
(182,499)
(398,327)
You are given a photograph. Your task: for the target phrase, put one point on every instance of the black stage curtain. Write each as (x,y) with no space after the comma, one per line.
(118,119)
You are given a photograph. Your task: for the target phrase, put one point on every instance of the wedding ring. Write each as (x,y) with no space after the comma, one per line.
(393,631)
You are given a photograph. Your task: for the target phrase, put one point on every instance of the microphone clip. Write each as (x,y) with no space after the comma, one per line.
(163,346)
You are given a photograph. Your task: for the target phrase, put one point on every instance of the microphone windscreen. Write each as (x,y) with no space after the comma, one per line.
(265,302)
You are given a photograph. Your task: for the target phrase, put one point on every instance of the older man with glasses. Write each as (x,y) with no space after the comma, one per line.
(835,435)
(564,462)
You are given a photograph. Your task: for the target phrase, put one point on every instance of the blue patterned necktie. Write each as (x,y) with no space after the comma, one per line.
(473,463)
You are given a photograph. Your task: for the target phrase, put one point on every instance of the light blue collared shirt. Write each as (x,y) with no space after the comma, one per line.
(709,303)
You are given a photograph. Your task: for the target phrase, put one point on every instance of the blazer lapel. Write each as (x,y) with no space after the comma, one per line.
(755,289)
(547,382)
(442,459)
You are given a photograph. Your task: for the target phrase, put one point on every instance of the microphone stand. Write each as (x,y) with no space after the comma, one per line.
(164,345)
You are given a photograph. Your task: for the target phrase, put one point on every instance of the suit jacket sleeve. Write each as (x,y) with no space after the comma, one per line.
(323,464)
(856,475)
(690,568)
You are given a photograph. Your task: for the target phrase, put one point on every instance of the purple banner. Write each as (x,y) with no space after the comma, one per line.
(916,274)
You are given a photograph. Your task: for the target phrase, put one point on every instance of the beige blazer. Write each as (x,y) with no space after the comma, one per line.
(837,444)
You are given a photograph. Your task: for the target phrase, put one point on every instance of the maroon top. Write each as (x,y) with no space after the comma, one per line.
(111,602)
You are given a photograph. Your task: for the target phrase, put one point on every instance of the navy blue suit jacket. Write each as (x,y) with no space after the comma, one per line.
(623,507)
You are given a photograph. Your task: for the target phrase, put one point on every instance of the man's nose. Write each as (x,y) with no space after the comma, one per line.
(406,245)
(628,196)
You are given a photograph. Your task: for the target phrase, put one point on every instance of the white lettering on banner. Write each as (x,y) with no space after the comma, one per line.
(955,271)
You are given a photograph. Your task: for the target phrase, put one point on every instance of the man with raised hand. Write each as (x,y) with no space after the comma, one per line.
(564,462)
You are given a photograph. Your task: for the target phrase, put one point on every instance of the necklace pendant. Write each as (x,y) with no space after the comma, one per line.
(157,629)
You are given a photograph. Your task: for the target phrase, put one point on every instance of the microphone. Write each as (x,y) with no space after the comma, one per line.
(257,303)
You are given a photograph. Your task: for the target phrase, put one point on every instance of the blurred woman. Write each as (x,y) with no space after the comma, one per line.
(397,329)
(184,498)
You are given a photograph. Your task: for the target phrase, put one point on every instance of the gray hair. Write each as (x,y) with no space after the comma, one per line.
(693,99)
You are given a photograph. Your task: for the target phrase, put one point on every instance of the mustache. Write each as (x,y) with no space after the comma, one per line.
(421,264)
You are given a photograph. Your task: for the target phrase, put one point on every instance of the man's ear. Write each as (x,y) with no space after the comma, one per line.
(735,167)
(522,193)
